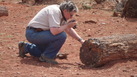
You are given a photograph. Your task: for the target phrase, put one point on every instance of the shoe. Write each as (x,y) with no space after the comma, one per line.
(21,47)
(45,59)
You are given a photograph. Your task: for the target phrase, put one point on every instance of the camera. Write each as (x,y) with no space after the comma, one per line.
(75,25)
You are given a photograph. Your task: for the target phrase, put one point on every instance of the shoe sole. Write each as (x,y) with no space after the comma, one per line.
(47,61)
(20,52)
(40,59)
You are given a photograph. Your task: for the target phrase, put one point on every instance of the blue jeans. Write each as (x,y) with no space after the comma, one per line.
(44,43)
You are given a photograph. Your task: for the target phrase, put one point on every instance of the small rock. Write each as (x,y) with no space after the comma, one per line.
(133,76)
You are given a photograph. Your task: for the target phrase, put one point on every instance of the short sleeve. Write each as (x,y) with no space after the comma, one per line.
(54,19)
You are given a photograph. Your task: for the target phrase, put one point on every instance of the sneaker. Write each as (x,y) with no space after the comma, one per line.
(21,47)
(45,59)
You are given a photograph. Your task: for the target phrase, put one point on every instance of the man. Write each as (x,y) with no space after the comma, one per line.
(47,32)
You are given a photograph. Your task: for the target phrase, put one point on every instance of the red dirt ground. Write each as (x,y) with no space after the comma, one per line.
(13,30)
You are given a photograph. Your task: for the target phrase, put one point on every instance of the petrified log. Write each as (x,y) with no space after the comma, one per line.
(33,2)
(99,1)
(130,9)
(3,11)
(99,51)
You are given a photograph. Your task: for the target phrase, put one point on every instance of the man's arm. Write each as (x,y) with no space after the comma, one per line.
(74,35)
(57,30)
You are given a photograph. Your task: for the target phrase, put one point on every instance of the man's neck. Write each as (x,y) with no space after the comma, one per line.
(63,15)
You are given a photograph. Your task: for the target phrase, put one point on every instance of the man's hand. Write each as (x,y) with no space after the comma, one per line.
(73,24)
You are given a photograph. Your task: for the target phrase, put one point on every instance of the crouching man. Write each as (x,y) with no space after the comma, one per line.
(46,32)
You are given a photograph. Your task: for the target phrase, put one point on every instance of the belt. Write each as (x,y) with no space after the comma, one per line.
(36,29)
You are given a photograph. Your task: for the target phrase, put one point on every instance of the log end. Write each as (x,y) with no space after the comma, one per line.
(90,52)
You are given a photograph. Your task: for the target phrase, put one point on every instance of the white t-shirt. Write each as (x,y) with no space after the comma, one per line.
(46,18)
